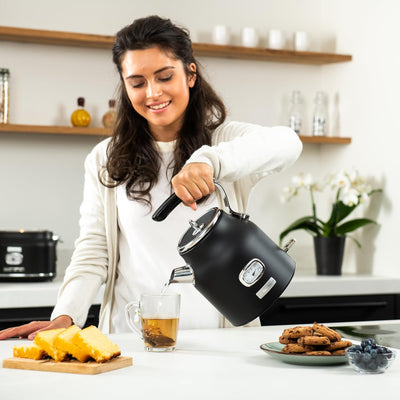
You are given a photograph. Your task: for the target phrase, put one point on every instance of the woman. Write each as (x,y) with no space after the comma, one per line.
(170,135)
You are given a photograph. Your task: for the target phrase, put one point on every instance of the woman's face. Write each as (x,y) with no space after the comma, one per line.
(158,88)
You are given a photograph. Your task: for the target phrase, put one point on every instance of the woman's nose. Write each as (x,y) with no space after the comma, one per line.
(153,90)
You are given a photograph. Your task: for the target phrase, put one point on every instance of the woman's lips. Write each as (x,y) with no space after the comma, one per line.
(159,106)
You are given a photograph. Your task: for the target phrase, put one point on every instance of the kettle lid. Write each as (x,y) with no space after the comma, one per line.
(198,229)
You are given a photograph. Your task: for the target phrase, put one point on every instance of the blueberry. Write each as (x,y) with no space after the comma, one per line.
(367,348)
(364,343)
(381,360)
(372,365)
(367,357)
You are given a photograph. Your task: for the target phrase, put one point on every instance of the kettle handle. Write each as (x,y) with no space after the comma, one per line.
(166,207)
(173,201)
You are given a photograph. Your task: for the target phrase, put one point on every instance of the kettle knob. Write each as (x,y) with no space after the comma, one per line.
(288,245)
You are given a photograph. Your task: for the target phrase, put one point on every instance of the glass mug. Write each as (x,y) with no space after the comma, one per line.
(155,317)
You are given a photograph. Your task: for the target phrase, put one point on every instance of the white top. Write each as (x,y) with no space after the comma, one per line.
(142,270)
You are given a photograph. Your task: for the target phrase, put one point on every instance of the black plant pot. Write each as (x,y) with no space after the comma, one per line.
(329,254)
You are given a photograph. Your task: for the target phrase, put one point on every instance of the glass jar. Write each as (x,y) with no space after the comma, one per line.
(5,96)
(320,116)
(1,95)
(109,116)
(295,111)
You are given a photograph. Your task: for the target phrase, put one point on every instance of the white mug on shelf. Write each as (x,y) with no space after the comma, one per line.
(221,35)
(301,41)
(276,39)
(249,37)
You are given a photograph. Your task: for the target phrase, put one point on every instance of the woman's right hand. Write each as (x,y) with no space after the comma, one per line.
(30,330)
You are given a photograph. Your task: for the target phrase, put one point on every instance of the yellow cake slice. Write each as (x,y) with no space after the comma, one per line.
(63,342)
(32,351)
(45,340)
(94,342)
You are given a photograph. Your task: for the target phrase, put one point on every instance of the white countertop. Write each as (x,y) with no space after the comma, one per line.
(207,364)
(44,294)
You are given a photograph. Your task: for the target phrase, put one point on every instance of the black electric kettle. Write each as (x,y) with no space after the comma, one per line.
(231,261)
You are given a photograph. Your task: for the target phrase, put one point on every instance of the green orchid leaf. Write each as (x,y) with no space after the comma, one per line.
(355,241)
(352,225)
(339,212)
(307,223)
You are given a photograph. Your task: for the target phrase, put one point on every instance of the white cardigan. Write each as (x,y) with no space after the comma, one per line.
(241,154)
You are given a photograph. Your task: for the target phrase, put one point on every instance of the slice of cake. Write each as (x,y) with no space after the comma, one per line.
(32,351)
(63,342)
(98,345)
(45,340)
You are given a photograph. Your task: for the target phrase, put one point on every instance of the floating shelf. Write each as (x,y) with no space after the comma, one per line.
(88,131)
(60,38)
(54,130)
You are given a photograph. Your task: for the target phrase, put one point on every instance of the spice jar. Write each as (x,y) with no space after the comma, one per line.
(80,117)
(4,95)
(1,95)
(320,118)
(109,116)
(295,111)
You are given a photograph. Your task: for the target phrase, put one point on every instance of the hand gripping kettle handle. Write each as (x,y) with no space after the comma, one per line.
(173,201)
(164,210)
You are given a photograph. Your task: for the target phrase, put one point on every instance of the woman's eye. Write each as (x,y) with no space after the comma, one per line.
(166,78)
(137,85)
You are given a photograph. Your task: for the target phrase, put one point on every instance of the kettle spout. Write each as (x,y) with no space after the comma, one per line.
(182,275)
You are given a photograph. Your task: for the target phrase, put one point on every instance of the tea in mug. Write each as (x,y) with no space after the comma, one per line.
(159,332)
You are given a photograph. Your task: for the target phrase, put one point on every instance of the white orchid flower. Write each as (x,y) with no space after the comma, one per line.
(350,197)
(288,193)
(303,180)
(340,180)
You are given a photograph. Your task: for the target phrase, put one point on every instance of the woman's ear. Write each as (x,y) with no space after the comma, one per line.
(192,74)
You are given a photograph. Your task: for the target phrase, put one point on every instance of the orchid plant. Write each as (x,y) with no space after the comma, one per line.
(350,189)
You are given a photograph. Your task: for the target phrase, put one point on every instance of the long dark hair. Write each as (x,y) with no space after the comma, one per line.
(132,155)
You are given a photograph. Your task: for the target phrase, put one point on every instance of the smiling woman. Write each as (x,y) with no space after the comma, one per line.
(170,135)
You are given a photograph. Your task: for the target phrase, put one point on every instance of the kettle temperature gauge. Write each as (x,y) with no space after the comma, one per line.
(252,272)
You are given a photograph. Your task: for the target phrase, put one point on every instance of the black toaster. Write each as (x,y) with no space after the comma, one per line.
(27,256)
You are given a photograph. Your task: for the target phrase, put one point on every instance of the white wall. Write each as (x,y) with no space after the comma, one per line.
(41,175)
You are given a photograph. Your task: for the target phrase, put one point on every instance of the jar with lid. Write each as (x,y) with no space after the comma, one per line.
(296,111)
(80,117)
(109,116)
(1,95)
(320,116)
(5,96)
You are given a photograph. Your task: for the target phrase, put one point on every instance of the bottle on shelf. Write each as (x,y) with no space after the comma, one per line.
(4,96)
(320,117)
(296,111)
(80,117)
(109,116)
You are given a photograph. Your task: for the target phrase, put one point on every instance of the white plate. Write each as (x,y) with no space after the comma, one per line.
(273,349)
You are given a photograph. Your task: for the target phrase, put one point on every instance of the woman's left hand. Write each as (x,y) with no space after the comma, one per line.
(192,182)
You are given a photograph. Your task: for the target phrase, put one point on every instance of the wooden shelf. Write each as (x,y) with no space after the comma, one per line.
(54,130)
(60,38)
(70,130)
(325,139)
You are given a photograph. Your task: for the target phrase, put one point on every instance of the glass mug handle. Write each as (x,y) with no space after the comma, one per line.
(136,325)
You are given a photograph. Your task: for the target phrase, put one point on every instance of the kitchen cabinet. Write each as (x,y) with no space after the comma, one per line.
(59,38)
(18,316)
(306,310)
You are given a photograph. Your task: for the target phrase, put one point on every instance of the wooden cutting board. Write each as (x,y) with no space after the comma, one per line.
(73,367)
